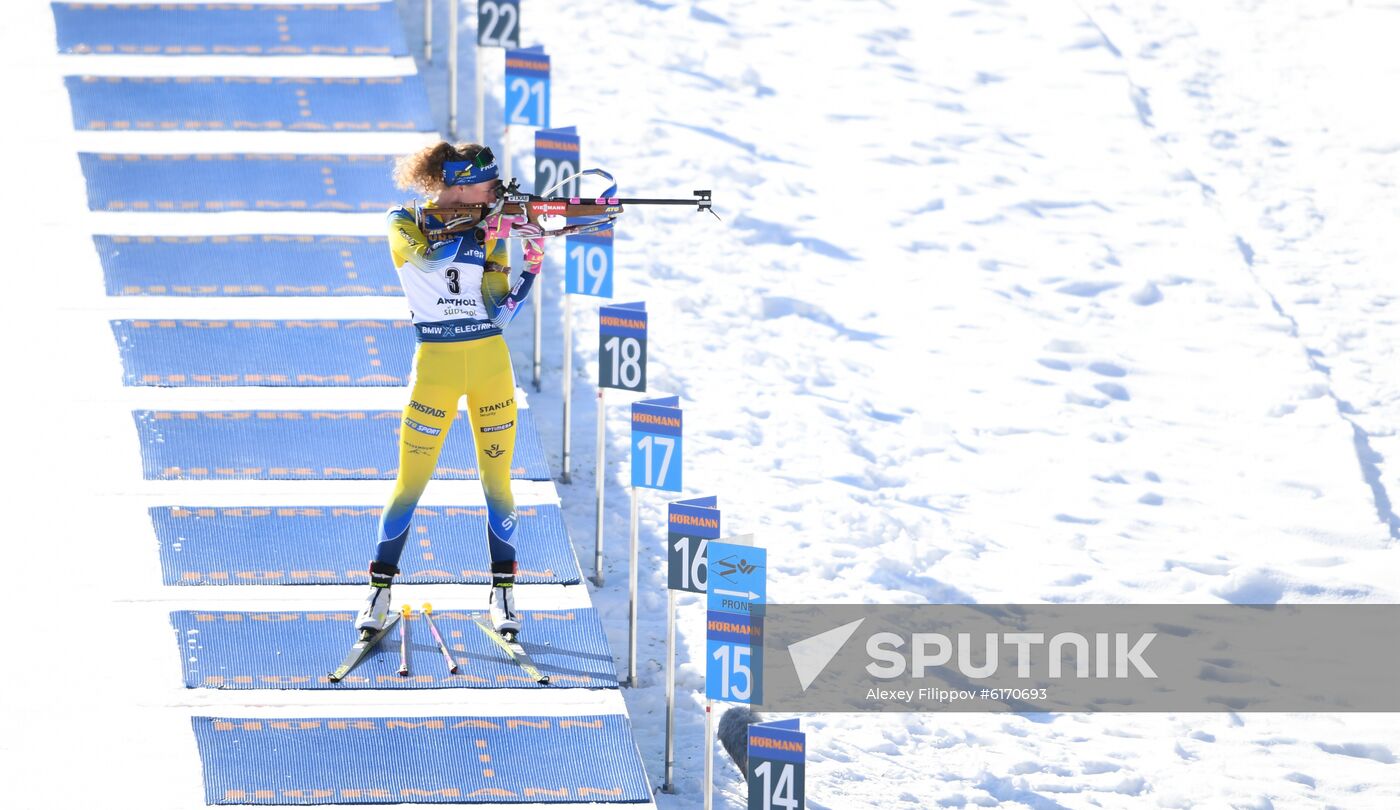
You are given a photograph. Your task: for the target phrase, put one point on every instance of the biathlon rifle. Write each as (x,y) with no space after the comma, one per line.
(451,221)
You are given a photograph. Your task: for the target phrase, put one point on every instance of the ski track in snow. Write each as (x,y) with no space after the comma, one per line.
(1012,302)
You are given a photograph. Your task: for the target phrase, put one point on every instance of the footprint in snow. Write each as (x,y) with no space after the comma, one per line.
(1112,391)
(1107,369)
(1376,752)
(780,306)
(1079,399)
(1065,347)
(1147,296)
(1086,289)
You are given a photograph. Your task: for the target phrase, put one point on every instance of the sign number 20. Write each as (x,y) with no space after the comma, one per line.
(557,171)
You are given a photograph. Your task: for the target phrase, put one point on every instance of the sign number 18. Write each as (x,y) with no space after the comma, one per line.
(626,356)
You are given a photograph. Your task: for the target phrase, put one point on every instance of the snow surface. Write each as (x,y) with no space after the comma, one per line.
(1012,302)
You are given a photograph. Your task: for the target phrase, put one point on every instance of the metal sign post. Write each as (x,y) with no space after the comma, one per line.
(667,785)
(556,170)
(622,363)
(632,596)
(538,305)
(452,26)
(691,525)
(497,26)
(428,31)
(657,459)
(709,752)
(590,253)
(480,100)
(598,504)
(527,104)
(567,385)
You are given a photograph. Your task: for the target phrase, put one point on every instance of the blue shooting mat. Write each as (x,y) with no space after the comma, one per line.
(328,545)
(296,650)
(170,103)
(395,760)
(285,445)
(250,264)
(239,182)
(349,29)
(265,352)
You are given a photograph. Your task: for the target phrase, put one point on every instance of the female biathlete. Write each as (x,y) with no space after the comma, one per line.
(460,299)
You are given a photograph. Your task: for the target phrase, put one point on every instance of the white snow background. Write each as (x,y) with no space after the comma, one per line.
(1035,301)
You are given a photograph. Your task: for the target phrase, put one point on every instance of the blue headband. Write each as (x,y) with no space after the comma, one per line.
(467,172)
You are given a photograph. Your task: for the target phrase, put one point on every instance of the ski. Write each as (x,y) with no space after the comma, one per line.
(362,648)
(513,649)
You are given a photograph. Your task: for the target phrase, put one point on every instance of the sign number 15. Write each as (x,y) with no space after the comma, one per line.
(733,664)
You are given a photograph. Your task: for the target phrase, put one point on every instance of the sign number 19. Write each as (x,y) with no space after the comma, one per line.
(591,261)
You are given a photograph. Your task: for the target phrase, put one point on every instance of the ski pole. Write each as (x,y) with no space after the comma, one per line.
(403,641)
(442,645)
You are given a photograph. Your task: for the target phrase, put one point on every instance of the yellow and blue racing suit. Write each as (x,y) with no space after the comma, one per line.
(455,289)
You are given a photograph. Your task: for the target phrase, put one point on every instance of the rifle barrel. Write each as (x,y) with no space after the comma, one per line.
(649,201)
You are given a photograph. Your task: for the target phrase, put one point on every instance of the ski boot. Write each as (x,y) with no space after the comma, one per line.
(376,610)
(503,617)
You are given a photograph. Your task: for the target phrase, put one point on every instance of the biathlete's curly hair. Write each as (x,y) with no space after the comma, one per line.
(421,171)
